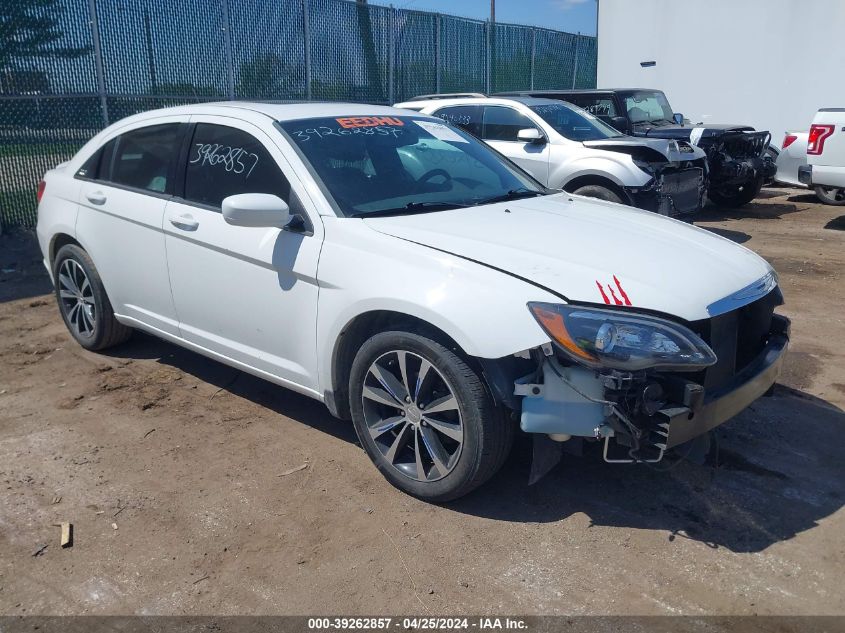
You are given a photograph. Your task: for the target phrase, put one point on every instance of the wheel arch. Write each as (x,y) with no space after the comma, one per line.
(58,241)
(497,374)
(597,180)
(356,332)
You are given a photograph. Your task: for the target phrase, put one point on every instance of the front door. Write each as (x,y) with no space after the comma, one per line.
(249,294)
(500,126)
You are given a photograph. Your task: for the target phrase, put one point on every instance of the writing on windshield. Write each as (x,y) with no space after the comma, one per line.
(379,165)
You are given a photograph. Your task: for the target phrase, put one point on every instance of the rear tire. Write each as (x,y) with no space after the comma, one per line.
(600,192)
(736,196)
(83,303)
(437,437)
(830,195)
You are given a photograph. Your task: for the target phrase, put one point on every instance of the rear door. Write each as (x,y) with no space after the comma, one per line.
(249,294)
(121,208)
(500,126)
(826,147)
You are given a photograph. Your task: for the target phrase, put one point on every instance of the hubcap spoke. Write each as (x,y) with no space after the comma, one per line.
(418,458)
(71,315)
(425,366)
(381,396)
(67,294)
(398,443)
(435,449)
(386,425)
(448,429)
(446,403)
(402,359)
(86,319)
(66,280)
(389,382)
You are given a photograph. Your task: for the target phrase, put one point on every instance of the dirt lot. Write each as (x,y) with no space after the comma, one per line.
(172,469)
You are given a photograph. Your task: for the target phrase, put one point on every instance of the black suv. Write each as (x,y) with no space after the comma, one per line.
(738,155)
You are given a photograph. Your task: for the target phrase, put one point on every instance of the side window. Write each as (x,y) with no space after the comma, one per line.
(142,158)
(599,105)
(224,161)
(466,117)
(90,167)
(503,124)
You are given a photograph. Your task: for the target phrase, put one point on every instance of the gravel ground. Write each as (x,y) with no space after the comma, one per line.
(182,479)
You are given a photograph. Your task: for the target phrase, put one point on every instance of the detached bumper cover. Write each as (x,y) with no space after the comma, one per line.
(722,404)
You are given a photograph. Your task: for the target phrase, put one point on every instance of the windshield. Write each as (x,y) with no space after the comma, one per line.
(574,123)
(648,107)
(384,165)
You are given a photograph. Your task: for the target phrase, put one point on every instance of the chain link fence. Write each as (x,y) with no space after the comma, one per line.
(68,68)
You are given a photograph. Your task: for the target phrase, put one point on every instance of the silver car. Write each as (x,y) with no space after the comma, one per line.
(567,148)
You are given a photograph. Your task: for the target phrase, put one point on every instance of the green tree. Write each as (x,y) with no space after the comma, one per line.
(30,29)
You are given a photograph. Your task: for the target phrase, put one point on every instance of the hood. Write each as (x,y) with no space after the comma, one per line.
(670,150)
(591,251)
(684,131)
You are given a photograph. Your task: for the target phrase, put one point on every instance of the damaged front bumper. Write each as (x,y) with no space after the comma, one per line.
(672,192)
(641,415)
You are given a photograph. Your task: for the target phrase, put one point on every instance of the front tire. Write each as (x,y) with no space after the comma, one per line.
(736,196)
(600,192)
(830,195)
(424,417)
(83,303)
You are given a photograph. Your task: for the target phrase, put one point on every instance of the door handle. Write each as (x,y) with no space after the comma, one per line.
(186,222)
(96,197)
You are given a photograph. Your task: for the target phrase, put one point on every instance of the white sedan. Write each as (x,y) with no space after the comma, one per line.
(412,279)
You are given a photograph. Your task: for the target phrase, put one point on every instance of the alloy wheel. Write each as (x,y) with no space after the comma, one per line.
(77,297)
(412,415)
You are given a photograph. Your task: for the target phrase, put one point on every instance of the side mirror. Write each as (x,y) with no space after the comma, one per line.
(620,123)
(256,210)
(678,118)
(531,135)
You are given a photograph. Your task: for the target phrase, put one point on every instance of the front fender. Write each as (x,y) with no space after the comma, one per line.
(482,309)
(622,173)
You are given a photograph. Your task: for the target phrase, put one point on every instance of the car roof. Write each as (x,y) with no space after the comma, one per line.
(495,100)
(570,91)
(278,110)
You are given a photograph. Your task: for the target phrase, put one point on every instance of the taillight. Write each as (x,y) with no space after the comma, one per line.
(39,193)
(818,134)
(788,140)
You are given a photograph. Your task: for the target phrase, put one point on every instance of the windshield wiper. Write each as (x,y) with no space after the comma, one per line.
(513,194)
(411,207)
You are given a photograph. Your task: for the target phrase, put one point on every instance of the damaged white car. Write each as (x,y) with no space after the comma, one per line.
(565,147)
(409,277)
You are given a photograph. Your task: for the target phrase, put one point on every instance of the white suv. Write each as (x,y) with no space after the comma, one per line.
(409,277)
(565,147)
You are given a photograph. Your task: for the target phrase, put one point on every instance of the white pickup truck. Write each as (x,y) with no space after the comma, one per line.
(825,150)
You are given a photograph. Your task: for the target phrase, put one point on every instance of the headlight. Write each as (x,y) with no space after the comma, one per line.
(619,340)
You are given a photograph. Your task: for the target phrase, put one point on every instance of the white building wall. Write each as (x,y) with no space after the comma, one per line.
(766,63)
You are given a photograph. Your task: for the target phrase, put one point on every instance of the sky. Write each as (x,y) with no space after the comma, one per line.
(562,15)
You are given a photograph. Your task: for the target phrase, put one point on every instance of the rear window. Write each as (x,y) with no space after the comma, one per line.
(143,158)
